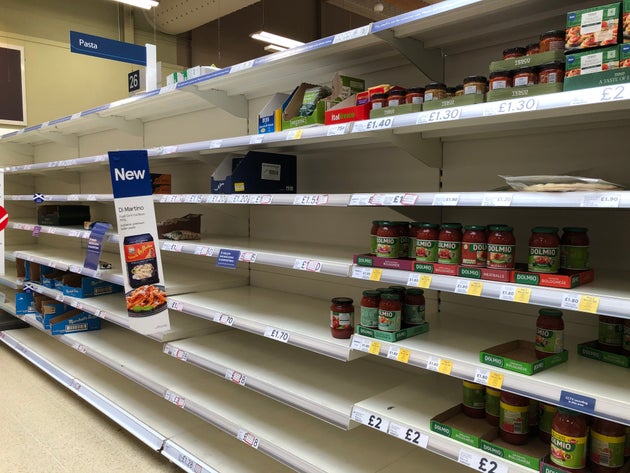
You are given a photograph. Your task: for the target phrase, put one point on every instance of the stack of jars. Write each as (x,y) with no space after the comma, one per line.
(390,309)
(614,335)
(398,96)
(575,440)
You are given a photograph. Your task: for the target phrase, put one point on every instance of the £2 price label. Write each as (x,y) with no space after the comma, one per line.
(408,434)
(481,463)
(370,419)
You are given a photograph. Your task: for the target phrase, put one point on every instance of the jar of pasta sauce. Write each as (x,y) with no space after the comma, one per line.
(434,91)
(606,446)
(379,101)
(389,312)
(574,248)
(493,399)
(545,417)
(533,48)
(414,227)
(569,436)
(475,85)
(403,239)
(501,247)
(415,95)
(473,399)
(551,73)
(511,53)
(373,232)
(524,77)
(387,240)
(513,418)
(396,97)
(413,307)
(544,250)
(549,333)
(500,80)
(369,308)
(474,246)
(552,41)
(341,317)
(532,415)
(427,238)
(610,333)
(450,243)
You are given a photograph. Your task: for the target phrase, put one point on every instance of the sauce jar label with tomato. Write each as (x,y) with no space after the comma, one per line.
(500,256)
(449,252)
(341,320)
(543,260)
(389,320)
(566,451)
(514,419)
(607,451)
(474,254)
(387,247)
(549,341)
(426,250)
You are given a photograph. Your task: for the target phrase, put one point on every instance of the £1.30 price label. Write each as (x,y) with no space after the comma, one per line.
(518,105)
(442,115)
(370,419)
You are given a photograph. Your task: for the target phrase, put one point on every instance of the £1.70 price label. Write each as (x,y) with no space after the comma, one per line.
(277,334)
(368,418)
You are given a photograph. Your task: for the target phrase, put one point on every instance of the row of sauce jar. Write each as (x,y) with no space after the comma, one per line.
(527,76)
(388,309)
(575,439)
(478,246)
(549,41)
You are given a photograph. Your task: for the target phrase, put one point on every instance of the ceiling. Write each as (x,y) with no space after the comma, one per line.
(179,16)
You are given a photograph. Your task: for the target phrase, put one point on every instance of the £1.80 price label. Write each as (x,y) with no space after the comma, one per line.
(371,420)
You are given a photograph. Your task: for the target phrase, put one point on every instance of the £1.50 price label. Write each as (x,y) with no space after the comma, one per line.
(370,419)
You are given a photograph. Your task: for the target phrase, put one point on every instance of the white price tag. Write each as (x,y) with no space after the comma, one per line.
(175,305)
(497,200)
(277,334)
(294,135)
(361,344)
(238,199)
(249,438)
(462,285)
(570,302)
(606,200)
(99,313)
(256,139)
(242,66)
(80,348)
(91,197)
(480,462)
(308,265)
(167,88)
(76,304)
(360,199)
(248,256)
(170,396)
(445,200)
(373,125)
(408,435)
(482,376)
(73,197)
(376,199)
(224,319)
(442,115)
(334,130)
(413,280)
(517,105)
(176,352)
(393,199)
(393,352)
(59,297)
(361,273)
(215,144)
(75,233)
(352,34)
(235,377)
(201,250)
(507,293)
(616,92)
(410,199)
(310,199)
(193,199)
(76,385)
(260,199)
(75,269)
(433,364)
(371,420)
(189,463)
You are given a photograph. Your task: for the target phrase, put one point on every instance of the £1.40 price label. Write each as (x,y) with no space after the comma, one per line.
(373,125)
(370,419)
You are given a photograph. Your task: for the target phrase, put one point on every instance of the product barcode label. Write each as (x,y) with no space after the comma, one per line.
(236,377)
(481,463)
(174,398)
(371,420)
(408,434)
(334,130)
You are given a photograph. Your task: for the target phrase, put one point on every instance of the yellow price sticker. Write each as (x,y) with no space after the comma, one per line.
(376,274)
(425,281)
(296,135)
(403,355)
(495,380)
(522,294)
(445,367)
(375,348)
(474,288)
(588,304)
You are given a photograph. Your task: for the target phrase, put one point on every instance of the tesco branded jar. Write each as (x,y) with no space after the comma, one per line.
(341,317)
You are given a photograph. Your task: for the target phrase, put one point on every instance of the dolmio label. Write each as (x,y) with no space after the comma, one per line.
(500,256)
(543,260)
(474,254)
(449,252)
(568,451)
(426,250)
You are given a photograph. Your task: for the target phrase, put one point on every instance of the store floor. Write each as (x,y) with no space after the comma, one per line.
(44,427)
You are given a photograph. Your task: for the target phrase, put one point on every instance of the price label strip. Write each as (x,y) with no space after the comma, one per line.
(176,352)
(514,106)
(437,116)
(375,124)
(398,354)
(308,265)
(360,343)
(472,288)
(440,365)
(478,461)
(174,398)
(419,280)
(236,377)
(606,200)
(489,378)
(497,200)
(277,334)
(445,200)
(570,301)
(369,274)
(224,319)
(371,420)
(408,434)
(248,438)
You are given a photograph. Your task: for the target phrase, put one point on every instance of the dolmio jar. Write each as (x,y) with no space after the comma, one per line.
(569,436)
(387,240)
(549,333)
(606,448)
(474,246)
(544,250)
(501,247)
(427,237)
(450,243)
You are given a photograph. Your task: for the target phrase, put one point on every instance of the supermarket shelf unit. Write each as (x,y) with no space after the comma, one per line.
(266,342)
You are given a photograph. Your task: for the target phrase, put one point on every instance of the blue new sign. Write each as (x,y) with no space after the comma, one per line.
(130,173)
(106,48)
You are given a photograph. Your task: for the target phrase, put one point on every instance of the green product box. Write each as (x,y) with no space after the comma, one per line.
(453,102)
(527,61)
(315,118)
(593,27)
(590,350)
(625,23)
(599,79)
(396,110)
(454,424)
(345,86)
(393,336)
(521,92)
(529,455)
(520,356)
(624,53)
(592,61)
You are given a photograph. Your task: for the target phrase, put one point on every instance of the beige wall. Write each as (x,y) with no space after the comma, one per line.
(59,82)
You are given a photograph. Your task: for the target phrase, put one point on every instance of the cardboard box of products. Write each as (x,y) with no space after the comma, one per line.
(161,183)
(62,215)
(454,424)
(589,62)
(76,285)
(520,356)
(347,111)
(593,27)
(270,117)
(255,173)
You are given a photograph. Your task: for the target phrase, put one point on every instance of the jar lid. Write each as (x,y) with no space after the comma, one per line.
(524,70)
(551,65)
(398,289)
(436,85)
(501,74)
(401,223)
(575,229)
(457,226)
(390,296)
(550,312)
(518,50)
(379,96)
(371,293)
(341,300)
(415,90)
(388,223)
(553,34)
(428,225)
(383,290)
(475,227)
(500,228)
(475,79)
(415,291)
(376,222)
(397,92)
(545,230)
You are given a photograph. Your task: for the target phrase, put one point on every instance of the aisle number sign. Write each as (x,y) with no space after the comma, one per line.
(143,277)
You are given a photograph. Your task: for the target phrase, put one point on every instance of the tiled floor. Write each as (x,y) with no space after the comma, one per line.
(46,428)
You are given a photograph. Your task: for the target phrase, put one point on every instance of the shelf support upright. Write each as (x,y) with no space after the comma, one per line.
(233,104)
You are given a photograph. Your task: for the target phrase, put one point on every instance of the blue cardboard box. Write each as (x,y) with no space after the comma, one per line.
(270,117)
(76,285)
(72,321)
(24,303)
(255,173)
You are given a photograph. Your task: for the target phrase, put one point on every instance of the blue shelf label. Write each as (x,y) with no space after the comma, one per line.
(95,245)
(577,402)
(90,45)
(228,258)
